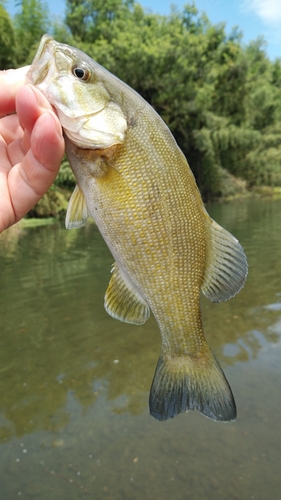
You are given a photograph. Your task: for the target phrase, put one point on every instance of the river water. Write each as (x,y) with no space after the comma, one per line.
(74,383)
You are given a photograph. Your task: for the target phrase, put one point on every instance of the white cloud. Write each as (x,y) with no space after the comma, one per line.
(268,10)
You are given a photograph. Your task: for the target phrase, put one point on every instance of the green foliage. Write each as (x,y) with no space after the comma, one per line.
(65,177)
(198,79)
(30,23)
(7,40)
(220,98)
(53,203)
(91,19)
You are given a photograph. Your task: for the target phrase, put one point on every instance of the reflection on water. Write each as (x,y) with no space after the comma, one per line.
(74,383)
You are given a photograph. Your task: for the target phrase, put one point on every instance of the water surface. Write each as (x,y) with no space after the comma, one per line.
(74,383)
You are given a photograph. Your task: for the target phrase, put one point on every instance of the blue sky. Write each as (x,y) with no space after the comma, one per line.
(253,17)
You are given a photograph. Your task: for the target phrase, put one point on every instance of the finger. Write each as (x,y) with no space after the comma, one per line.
(19,146)
(10,128)
(47,141)
(5,165)
(29,180)
(30,104)
(16,152)
(10,81)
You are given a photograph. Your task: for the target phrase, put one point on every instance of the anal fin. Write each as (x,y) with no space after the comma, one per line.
(226,264)
(123,302)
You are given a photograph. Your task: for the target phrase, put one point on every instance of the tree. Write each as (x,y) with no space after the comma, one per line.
(220,99)
(7,40)
(30,24)
(87,19)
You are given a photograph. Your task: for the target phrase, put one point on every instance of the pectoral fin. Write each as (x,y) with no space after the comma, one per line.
(226,265)
(77,212)
(123,302)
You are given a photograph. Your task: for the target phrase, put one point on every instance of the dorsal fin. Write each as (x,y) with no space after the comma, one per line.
(77,212)
(226,264)
(123,302)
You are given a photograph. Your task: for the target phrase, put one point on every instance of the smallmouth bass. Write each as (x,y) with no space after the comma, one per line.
(135,182)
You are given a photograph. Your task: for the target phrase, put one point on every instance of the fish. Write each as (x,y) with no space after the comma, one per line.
(135,182)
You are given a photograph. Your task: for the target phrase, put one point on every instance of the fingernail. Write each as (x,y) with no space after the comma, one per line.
(41,100)
(32,89)
(55,121)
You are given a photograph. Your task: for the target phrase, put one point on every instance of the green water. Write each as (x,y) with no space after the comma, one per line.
(74,383)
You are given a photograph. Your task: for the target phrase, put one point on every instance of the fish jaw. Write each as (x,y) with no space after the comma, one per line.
(45,68)
(41,62)
(87,113)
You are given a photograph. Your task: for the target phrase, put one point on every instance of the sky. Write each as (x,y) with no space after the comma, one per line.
(253,17)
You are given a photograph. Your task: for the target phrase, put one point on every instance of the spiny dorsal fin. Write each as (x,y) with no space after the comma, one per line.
(77,212)
(123,302)
(226,265)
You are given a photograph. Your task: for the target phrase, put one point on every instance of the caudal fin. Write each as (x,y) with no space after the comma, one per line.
(188,383)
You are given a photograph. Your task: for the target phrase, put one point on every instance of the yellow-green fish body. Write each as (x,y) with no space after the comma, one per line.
(135,182)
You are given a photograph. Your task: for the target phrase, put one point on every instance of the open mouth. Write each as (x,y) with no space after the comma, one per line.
(41,62)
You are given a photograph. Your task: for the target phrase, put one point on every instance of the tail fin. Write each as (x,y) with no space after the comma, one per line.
(187,383)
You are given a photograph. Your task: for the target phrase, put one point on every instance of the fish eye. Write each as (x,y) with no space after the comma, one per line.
(81,72)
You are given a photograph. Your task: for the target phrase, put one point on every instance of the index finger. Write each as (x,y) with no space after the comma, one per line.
(10,81)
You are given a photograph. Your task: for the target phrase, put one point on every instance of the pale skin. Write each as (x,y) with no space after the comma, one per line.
(31,146)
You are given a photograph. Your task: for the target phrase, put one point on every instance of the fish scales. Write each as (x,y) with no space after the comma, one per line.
(155,248)
(136,183)
(161,248)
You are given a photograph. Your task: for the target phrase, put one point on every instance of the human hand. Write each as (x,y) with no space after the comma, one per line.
(31,146)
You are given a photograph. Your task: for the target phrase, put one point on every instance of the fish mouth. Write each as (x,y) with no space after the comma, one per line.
(42,60)
(51,59)
(42,46)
